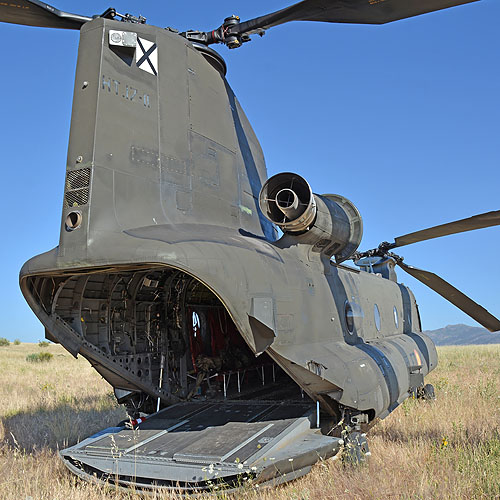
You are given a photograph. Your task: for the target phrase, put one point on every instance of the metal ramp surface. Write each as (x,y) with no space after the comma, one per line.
(193,446)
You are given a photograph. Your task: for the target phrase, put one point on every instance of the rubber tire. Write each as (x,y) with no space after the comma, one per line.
(355,449)
(429,394)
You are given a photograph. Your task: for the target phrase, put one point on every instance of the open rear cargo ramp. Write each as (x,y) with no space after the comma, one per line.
(196,445)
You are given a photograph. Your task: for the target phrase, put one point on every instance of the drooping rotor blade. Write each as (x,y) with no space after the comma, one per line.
(35,13)
(481,221)
(455,296)
(346,11)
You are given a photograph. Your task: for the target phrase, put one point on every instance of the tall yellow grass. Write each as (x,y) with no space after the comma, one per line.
(447,449)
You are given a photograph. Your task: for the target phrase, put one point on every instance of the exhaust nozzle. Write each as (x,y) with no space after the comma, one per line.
(287,200)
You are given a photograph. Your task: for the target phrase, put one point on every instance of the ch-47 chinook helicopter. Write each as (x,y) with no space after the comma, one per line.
(214,301)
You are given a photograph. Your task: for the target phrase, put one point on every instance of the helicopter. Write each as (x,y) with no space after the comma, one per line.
(216,302)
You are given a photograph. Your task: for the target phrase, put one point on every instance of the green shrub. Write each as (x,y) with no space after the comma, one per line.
(17,342)
(43,343)
(39,357)
(4,342)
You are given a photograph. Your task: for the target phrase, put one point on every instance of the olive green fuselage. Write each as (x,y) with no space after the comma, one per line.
(161,219)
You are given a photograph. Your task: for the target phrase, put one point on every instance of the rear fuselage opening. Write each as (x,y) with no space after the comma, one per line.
(156,332)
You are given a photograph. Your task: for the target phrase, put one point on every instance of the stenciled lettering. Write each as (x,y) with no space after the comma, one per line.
(125,91)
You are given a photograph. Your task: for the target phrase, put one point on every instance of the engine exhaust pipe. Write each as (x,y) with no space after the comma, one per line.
(287,200)
(288,203)
(330,224)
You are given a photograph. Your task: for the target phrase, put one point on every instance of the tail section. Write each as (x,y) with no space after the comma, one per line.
(157,138)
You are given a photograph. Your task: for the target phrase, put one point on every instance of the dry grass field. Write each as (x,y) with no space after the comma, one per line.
(447,449)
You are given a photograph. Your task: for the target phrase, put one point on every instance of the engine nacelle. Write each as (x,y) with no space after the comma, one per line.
(330,223)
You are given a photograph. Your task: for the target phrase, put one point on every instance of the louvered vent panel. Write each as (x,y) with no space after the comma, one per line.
(77,187)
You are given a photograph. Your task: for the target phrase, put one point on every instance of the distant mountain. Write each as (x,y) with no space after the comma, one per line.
(463,335)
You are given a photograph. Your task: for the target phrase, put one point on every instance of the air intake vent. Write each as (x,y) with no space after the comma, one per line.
(77,188)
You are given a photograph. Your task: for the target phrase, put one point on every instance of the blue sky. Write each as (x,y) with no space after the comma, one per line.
(402,119)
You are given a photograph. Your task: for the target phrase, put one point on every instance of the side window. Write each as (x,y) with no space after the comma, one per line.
(353,315)
(396,318)
(196,325)
(349,317)
(376,316)
(418,317)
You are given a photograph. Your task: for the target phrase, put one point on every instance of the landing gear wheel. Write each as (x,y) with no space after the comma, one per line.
(356,449)
(429,392)
(138,405)
(426,392)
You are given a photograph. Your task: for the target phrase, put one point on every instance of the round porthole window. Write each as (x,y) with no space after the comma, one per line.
(376,316)
(196,324)
(396,319)
(349,318)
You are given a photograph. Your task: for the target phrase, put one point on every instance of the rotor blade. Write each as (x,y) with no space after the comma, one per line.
(347,11)
(480,221)
(36,13)
(455,296)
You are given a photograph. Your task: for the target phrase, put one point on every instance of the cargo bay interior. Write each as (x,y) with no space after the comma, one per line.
(165,329)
